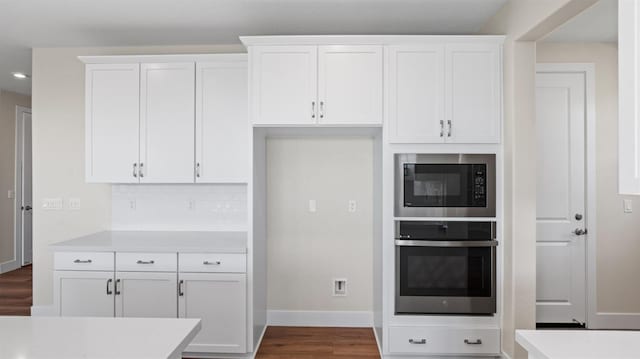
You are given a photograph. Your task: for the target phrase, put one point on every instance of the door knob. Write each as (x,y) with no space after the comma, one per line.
(27,208)
(579,232)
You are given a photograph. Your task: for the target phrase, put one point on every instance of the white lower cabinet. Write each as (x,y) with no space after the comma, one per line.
(444,340)
(219,300)
(84,293)
(146,295)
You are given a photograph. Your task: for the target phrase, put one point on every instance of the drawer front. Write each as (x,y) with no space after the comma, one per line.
(146,262)
(84,261)
(444,340)
(213,262)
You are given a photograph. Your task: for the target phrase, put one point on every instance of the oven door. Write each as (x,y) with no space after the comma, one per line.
(445,277)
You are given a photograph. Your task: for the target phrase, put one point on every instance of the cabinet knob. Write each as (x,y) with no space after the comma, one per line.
(321,109)
(313,109)
(135,170)
(141,170)
(198,169)
(450,128)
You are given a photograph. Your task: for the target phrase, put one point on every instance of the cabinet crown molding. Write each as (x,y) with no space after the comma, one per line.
(123,59)
(367,39)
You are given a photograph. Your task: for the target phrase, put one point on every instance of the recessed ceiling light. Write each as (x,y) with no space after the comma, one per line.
(20,75)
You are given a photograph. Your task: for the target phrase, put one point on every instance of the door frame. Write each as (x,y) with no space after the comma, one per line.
(588,69)
(18,239)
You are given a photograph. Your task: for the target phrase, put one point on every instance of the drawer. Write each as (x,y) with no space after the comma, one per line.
(83,261)
(213,262)
(444,340)
(146,262)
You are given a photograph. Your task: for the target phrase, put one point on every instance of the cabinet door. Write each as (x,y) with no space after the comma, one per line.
(146,294)
(284,85)
(112,116)
(222,124)
(220,301)
(350,85)
(84,293)
(416,94)
(473,88)
(167,123)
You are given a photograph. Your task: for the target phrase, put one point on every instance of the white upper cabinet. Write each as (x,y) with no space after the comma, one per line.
(284,85)
(350,85)
(112,127)
(415,93)
(167,123)
(473,95)
(222,121)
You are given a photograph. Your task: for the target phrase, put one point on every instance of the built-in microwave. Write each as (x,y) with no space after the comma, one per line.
(445,185)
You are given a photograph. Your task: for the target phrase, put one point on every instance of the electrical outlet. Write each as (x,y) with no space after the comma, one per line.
(339,287)
(132,204)
(312,205)
(353,205)
(74,203)
(192,205)
(628,205)
(50,204)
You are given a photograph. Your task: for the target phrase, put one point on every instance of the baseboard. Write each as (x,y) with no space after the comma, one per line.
(8,266)
(302,318)
(43,311)
(615,321)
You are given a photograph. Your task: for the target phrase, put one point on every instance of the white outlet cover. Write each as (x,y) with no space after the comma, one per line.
(628,205)
(11,194)
(312,205)
(353,205)
(339,292)
(74,203)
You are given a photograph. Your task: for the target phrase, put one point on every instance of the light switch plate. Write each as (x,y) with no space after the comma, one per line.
(353,205)
(52,204)
(11,194)
(74,203)
(628,205)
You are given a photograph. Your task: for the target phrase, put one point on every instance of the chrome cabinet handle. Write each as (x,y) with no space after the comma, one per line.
(313,109)
(217,263)
(417,341)
(475,342)
(198,169)
(117,290)
(441,128)
(580,231)
(109,291)
(82,261)
(135,170)
(450,130)
(321,109)
(180,292)
(141,170)
(145,262)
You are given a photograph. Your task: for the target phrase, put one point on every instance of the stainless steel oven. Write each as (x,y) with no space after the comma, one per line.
(445,267)
(445,185)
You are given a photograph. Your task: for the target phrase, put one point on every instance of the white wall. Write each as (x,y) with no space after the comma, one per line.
(307,250)
(58,152)
(618,247)
(8,102)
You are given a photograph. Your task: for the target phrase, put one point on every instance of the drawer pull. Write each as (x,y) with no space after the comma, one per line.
(109,291)
(214,263)
(180,291)
(82,261)
(417,341)
(475,342)
(145,262)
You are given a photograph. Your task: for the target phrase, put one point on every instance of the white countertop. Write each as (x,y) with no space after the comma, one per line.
(95,338)
(156,241)
(580,344)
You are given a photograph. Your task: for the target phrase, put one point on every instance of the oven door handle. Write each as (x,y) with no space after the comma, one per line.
(406,243)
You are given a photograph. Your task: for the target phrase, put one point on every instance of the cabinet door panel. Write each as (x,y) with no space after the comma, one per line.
(284,85)
(146,295)
(167,123)
(416,94)
(473,93)
(220,301)
(222,122)
(84,294)
(350,85)
(112,122)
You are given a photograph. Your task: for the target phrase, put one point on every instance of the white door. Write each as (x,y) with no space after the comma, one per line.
(85,293)
(26,192)
(416,94)
(167,123)
(473,95)
(284,85)
(219,299)
(112,116)
(146,294)
(222,122)
(350,85)
(561,262)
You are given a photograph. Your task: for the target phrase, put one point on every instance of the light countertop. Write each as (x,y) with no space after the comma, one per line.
(580,344)
(95,338)
(156,241)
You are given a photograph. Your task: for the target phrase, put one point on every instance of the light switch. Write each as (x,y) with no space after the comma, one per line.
(628,205)
(52,204)
(11,194)
(312,205)
(74,203)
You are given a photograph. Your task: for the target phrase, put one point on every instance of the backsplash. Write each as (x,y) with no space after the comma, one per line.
(179,207)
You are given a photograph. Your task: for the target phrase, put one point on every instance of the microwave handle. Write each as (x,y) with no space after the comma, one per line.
(408,243)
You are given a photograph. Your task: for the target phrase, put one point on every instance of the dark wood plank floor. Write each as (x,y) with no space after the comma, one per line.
(318,343)
(15,292)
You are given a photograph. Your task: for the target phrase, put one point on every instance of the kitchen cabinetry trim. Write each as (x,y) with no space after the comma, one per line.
(365,39)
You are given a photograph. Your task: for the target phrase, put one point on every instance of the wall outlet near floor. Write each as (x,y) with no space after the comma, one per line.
(339,287)
(628,205)
(353,205)
(74,203)
(52,204)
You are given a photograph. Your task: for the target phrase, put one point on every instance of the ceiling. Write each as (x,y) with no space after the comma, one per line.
(599,23)
(26,24)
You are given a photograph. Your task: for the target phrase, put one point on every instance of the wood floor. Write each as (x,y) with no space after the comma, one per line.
(318,343)
(15,292)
